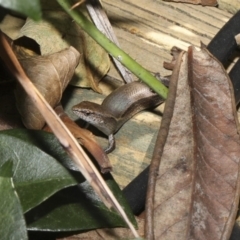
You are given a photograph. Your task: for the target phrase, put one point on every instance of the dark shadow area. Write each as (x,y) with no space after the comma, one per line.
(28,43)
(36,235)
(136,191)
(224,47)
(9,115)
(235,233)
(3,13)
(67,95)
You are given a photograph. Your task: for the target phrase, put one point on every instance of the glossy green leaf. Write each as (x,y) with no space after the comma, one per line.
(36,157)
(30,8)
(12,222)
(77,208)
(38,174)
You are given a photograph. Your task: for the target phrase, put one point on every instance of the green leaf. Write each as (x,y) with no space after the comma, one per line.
(46,142)
(38,174)
(77,208)
(12,223)
(30,8)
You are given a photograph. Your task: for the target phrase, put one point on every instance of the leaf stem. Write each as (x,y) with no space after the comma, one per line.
(115,51)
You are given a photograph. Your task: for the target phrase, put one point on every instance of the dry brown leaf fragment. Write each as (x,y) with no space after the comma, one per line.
(86,139)
(175,51)
(197,183)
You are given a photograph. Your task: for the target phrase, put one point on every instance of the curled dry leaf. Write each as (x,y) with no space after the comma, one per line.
(197,155)
(57,31)
(50,74)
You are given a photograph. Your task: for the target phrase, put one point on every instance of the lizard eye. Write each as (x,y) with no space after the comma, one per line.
(87,113)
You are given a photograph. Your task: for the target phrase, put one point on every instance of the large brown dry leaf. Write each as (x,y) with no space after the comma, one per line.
(57,31)
(197,183)
(50,74)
